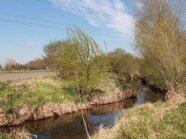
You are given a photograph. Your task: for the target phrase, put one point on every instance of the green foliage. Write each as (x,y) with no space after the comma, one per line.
(88,60)
(78,58)
(52,53)
(70,88)
(123,64)
(8,103)
(40,91)
(36,64)
(2,136)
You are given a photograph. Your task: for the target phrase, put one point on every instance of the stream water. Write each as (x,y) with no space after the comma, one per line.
(70,126)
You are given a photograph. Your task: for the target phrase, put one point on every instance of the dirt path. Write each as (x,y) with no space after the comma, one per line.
(24,75)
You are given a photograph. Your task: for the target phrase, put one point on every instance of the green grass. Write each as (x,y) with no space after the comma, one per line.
(2,136)
(173,124)
(40,91)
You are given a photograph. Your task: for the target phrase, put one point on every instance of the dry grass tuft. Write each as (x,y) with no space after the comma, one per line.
(21,84)
(18,134)
(148,121)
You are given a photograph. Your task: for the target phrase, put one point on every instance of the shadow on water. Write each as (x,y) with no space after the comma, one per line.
(70,126)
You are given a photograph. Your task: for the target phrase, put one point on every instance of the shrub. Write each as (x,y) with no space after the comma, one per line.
(161,43)
(78,58)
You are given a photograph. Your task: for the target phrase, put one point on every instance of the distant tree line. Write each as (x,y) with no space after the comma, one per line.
(37,64)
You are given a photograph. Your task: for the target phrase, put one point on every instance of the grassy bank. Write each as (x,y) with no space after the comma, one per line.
(38,91)
(30,92)
(152,121)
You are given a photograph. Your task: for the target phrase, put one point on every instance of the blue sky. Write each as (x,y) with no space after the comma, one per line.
(27,25)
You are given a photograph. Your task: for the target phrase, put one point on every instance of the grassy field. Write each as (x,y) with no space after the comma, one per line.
(5,76)
(24,71)
(149,121)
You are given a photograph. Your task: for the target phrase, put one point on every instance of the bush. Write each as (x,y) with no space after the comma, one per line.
(161,43)
(78,58)
(123,64)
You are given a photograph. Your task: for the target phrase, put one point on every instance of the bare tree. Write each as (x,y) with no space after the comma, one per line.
(159,39)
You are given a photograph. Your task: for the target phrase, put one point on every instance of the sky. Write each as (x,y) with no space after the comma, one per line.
(26,26)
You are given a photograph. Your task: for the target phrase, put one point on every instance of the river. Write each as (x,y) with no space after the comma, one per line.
(70,126)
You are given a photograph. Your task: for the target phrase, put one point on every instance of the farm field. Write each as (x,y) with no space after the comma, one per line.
(4,76)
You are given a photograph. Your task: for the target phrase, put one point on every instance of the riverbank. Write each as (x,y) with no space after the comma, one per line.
(16,134)
(41,98)
(151,120)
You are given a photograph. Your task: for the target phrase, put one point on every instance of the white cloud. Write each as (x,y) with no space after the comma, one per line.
(110,13)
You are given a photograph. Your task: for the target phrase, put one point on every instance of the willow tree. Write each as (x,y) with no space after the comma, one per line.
(159,29)
(81,60)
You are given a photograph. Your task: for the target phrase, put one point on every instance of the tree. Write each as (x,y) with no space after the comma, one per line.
(1,67)
(9,65)
(159,40)
(79,58)
(37,64)
(123,64)
(52,53)
(18,66)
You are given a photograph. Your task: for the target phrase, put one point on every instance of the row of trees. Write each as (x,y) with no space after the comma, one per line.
(37,64)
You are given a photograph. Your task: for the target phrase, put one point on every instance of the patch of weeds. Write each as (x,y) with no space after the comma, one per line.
(4,85)
(97,92)
(70,93)
(56,99)
(128,85)
(2,136)
(159,103)
(40,100)
(173,124)
(9,104)
(9,109)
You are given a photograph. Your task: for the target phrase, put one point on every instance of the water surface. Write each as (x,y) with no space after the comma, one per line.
(70,126)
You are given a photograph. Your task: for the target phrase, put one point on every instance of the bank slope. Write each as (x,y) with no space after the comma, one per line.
(159,120)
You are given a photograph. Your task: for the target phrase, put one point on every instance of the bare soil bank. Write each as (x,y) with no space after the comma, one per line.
(48,110)
(23,75)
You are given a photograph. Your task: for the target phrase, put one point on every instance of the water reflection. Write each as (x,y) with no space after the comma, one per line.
(70,126)
(141,95)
